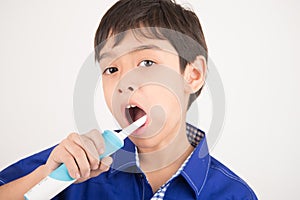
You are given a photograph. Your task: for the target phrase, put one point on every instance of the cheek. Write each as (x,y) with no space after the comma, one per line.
(108,91)
(171,103)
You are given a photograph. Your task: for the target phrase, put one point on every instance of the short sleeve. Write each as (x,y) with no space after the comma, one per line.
(24,166)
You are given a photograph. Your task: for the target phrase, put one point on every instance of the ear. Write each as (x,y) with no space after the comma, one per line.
(195,73)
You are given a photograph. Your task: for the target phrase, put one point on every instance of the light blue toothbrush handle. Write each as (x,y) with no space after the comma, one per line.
(112,144)
(60,179)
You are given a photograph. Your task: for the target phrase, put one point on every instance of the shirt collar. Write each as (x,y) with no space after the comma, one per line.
(124,159)
(195,171)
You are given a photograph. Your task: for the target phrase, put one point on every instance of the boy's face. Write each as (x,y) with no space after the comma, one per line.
(141,76)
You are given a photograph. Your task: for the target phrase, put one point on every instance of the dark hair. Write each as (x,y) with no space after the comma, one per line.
(166,14)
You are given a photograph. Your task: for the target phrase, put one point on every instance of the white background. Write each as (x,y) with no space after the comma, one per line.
(254,45)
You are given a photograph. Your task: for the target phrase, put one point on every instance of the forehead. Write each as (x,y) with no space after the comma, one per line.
(132,42)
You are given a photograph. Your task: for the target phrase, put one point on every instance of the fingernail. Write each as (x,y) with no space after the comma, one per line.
(101,150)
(96,166)
(77,175)
(87,175)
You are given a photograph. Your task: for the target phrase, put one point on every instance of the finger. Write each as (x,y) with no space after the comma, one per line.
(94,173)
(79,155)
(54,161)
(105,163)
(96,137)
(68,159)
(91,151)
(93,143)
(103,167)
(60,155)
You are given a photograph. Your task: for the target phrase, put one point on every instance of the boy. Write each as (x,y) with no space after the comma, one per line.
(152,54)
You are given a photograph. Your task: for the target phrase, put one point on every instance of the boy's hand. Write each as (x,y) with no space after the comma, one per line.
(80,154)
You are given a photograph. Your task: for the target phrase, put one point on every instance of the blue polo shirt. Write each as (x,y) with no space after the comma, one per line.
(203,177)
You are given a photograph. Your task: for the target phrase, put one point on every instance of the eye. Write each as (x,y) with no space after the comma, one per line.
(146,63)
(110,70)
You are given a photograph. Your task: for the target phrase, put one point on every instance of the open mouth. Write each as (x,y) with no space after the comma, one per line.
(133,113)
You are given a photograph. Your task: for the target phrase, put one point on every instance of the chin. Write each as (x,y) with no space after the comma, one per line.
(145,143)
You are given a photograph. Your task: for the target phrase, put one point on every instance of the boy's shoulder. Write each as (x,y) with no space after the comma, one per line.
(222,182)
(208,177)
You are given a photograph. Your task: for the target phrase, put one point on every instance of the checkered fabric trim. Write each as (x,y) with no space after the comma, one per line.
(194,135)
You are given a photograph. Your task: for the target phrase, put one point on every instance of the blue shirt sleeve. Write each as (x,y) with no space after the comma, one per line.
(24,166)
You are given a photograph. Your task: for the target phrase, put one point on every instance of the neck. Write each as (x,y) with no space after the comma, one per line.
(171,154)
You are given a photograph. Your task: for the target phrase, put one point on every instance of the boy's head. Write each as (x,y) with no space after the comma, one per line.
(129,14)
(135,35)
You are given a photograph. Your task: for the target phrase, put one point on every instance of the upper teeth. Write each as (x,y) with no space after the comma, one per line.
(131,106)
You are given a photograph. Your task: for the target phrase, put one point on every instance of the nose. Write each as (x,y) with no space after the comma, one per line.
(129,88)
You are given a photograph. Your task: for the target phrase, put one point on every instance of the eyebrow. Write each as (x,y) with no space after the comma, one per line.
(136,49)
